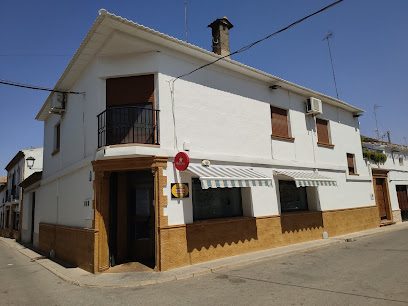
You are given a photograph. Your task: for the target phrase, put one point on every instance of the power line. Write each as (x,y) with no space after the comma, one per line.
(245,48)
(11,83)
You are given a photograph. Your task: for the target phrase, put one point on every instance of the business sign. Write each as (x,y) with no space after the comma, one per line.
(181,161)
(179,190)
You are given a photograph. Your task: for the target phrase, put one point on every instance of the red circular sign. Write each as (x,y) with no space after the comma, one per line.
(181,161)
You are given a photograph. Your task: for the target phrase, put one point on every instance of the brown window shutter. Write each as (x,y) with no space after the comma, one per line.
(279,121)
(350,163)
(58,140)
(322,131)
(130,90)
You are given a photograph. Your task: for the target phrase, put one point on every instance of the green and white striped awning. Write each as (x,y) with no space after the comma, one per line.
(229,177)
(306,179)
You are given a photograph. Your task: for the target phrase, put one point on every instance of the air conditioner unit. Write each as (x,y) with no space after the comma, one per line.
(314,106)
(58,102)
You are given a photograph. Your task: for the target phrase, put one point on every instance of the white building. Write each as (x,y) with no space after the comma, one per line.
(106,190)
(390,178)
(23,164)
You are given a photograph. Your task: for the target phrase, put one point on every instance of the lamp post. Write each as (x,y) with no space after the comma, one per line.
(30,162)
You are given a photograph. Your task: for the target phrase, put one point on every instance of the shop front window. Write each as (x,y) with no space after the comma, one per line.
(215,203)
(292,198)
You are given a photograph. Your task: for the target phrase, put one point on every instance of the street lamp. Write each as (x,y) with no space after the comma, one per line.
(30,162)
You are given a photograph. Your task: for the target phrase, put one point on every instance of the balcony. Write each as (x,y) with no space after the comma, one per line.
(128,124)
(12,194)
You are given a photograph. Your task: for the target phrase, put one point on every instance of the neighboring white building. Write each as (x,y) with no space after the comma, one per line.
(106,197)
(390,178)
(18,169)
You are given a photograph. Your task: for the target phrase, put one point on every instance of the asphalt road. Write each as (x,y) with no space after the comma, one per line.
(369,271)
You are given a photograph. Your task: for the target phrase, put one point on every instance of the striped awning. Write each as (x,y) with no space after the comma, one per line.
(229,177)
(306,179)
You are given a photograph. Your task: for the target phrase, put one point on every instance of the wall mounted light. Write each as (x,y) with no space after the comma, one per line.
(30,162)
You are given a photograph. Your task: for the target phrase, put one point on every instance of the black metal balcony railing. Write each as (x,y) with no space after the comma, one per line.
(128,124)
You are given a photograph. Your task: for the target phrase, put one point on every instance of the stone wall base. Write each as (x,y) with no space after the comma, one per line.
(396,216)
(75,246)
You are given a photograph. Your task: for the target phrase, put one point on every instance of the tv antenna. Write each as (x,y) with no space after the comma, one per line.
(331,61)
(376,122)
(185,17)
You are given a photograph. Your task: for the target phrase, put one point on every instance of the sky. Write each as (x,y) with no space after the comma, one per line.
(368,46)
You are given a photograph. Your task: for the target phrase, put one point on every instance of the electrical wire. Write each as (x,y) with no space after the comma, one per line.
(245,48)
(11,83)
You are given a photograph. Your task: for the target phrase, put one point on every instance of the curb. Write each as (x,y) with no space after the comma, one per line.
(205,268)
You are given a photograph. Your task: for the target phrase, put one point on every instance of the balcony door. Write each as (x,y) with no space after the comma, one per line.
(130,115)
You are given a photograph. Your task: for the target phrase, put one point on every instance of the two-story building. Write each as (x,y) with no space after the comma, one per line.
(23,164)
(271,163)
(390,178)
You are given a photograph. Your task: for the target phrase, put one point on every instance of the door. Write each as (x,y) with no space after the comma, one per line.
(403,200)
(32,216)
(141,218)
(381,197)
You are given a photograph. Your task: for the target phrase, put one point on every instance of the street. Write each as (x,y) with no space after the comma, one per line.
(372,270)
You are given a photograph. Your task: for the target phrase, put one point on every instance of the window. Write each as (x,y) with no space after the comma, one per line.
(7,218)
(401,160)
(16,220)
(215,202)
(351,164)
(322,128)
(57,138)
(292,198)
(280,126)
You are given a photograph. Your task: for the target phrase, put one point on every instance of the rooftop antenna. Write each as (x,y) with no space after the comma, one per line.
(185,17)
(376,122)
(331,61)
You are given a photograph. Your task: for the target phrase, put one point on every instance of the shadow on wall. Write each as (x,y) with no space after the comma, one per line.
(214,233)
(296,222)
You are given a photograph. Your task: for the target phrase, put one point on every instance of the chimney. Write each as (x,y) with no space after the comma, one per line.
(220,36)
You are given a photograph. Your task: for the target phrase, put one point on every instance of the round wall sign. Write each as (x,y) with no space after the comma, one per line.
(181,161)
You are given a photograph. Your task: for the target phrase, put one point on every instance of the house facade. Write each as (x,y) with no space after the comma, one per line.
(17,171)
(390,178)
(262,172)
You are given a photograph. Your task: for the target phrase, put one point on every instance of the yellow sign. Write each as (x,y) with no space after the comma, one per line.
(179,190)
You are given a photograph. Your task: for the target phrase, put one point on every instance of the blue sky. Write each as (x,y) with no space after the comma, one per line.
(369,48)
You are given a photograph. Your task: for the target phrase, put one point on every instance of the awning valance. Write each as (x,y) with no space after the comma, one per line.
(228,177)
(306,179)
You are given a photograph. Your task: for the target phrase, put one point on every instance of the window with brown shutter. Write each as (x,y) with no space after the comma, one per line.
(350,164)
(57,139)
(130,90)
(322,128)
(280,127)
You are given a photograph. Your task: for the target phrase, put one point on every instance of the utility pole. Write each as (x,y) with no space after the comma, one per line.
(405,140)
(376,122)
(331,61)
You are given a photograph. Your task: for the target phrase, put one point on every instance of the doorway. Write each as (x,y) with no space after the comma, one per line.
(381,196)
(403,201)
(132,218)
(32,216)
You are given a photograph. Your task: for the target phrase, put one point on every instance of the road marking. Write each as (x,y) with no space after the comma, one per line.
(10,264)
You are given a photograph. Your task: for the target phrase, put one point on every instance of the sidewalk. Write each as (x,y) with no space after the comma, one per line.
(80,277)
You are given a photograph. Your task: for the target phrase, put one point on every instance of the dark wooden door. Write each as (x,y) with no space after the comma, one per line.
(381,196)
(402,197)
(141,218)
